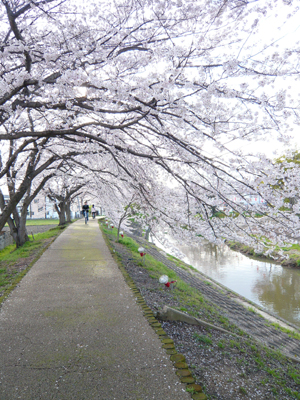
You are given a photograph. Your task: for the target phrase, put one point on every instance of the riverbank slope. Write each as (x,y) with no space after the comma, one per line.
(290,257)
(226,365)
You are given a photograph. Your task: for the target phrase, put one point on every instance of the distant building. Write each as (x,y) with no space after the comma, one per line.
(41,207)
(246,200)
(249,199)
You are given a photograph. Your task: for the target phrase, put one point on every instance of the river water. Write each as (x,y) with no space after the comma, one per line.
(275,288)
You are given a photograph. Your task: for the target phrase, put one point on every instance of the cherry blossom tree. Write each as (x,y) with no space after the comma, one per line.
(63,191)
(22,162)
(27,167)
(158,91)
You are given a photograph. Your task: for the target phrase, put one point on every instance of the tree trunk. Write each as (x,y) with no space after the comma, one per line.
(68,211)
(147,233)
(13,202)
(17,228)
(124,216)
(15,197)
(60,208)
(119,226)
(22,231)
(22,234)
(13,231)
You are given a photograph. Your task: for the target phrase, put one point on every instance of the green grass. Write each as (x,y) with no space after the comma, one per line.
(130,244)
(235,343)
(292,250)
(10,276)
(292,247)
(31,222)
(191,390)
(180,263)
(10,254)
(37,222)
(221,344)
(295,374)
(293,334)
(203,339)
(242,390)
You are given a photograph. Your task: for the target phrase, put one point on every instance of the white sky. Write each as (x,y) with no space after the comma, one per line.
(286,37)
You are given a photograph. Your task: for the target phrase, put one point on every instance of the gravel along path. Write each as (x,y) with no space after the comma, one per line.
(249,363)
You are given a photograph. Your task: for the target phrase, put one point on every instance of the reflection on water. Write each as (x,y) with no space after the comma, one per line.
(275,288)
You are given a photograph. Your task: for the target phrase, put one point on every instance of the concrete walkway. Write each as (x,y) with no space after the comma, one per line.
(72,330)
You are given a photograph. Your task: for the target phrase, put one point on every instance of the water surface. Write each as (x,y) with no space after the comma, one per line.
(269,285)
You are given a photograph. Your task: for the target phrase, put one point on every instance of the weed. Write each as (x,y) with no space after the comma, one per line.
(273,372)
(191,390)
(242,390)
(252,347)
(260,362)
(234,343)
(293,334)
(294,374)
(202,339)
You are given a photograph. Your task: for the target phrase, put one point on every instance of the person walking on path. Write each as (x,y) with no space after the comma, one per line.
(85,211)
(93,211)
(72,330)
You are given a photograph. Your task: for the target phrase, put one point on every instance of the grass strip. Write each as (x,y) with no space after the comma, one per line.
(16,262)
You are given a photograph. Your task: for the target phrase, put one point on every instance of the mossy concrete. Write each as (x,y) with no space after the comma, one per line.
(183,372)
(195,387)
(178,358)
(199,396)
(170,314)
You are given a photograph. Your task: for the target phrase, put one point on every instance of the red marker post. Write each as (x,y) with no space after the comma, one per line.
(165,280)
(171,284)
(141,250)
